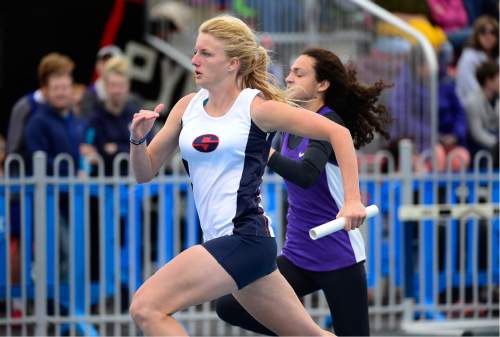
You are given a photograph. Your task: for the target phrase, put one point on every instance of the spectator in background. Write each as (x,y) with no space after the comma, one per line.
(95,93)
(21,112)
(482,108)
(408,100)
(52,127)
(482,46)
(413,119)
(86,149)
(107,134)
(109,124)
(448,14)
(19,116)
(452,123)
(17,304)
(50,66)
(451,16)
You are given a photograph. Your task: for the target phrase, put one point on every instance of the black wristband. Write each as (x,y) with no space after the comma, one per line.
(137,142)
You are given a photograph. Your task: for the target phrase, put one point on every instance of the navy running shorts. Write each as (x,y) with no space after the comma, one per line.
(246,258)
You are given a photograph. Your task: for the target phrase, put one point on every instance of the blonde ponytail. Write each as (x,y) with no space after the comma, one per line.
(240,42)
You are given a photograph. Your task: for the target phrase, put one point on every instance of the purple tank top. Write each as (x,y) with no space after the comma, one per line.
(309,208)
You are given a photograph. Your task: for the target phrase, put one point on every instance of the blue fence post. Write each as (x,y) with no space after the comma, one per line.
(495,263)
(169,221)
(406,171)
(51,227)
(192,223)
(40,178)
(427,288)
(109,239)
(135,245)
(78,249)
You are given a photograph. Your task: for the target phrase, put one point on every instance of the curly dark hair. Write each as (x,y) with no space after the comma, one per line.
(356,103)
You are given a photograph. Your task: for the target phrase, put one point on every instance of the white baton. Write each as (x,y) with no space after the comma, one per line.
(335,225)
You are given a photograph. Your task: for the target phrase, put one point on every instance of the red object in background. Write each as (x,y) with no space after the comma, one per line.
(113,24)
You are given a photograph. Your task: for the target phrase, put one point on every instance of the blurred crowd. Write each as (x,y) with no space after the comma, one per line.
(85,121)
(66,117)
(464,34)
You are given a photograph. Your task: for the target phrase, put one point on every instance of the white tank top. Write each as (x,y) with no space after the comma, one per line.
(225,158)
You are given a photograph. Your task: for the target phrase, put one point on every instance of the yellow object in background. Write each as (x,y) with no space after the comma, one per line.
(434,34)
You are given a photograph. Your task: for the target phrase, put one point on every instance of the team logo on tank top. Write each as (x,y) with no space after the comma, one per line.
(206,143)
